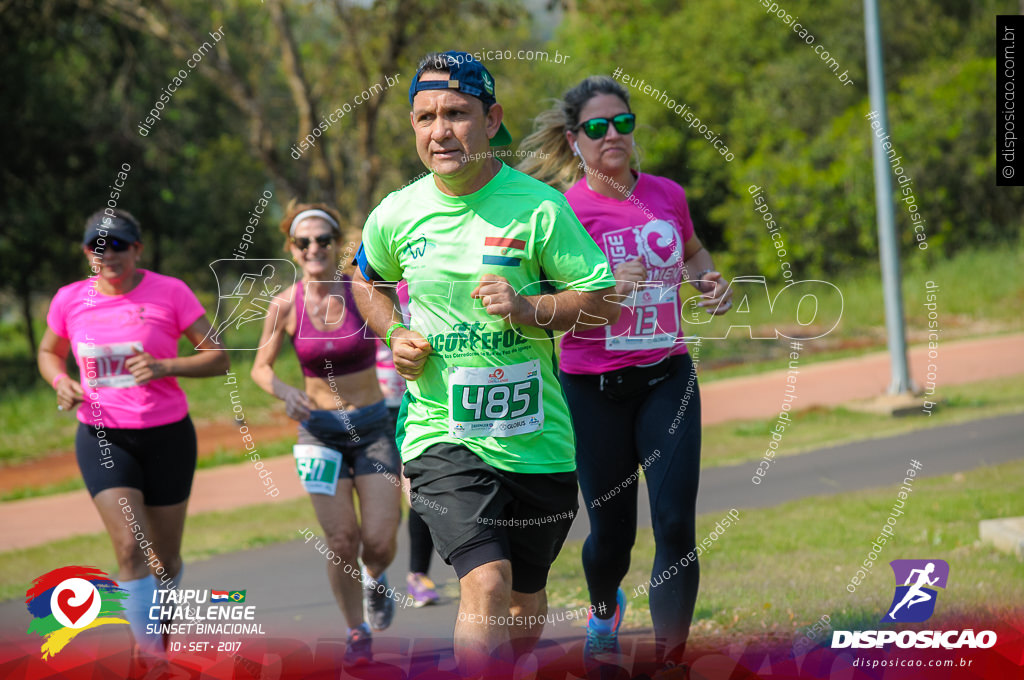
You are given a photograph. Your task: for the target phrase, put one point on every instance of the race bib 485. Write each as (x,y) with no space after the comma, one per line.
(495,402)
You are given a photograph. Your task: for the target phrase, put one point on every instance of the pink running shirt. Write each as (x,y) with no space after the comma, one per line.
(654,224)
(104,330)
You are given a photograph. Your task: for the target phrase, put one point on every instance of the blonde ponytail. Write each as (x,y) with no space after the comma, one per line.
(549,157)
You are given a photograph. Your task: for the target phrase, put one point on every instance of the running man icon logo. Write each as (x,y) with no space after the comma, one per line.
(914,600)
(245,297)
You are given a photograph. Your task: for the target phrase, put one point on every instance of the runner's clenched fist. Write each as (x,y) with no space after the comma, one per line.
(410,351)
(499,298)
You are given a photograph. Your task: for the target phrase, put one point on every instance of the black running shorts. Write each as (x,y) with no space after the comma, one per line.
(479,514)
(159,461)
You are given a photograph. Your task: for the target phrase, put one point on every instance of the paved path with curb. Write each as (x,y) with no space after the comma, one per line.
(36,521)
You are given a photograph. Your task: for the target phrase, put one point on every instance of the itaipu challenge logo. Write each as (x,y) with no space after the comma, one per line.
(66,601)
(914,601)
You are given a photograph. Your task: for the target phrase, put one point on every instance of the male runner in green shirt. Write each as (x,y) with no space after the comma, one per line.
(495,261)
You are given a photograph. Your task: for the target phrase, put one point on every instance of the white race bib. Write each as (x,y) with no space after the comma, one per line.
(649,320)
(495,402)
(108,363)
(317,467)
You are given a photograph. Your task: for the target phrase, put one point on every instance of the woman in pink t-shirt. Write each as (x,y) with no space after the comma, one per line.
(136,446)
(631,386)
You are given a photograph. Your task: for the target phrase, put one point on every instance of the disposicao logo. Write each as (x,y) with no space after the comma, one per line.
(913,602)
(66,601)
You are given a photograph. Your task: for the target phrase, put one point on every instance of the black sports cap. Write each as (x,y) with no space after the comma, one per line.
(110,224)
(467,75)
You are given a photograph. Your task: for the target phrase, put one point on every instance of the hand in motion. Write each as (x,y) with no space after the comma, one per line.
(717,294)
(144,367)
(69,394)
(297,404)
(410,351)
(498,297)
(628,274)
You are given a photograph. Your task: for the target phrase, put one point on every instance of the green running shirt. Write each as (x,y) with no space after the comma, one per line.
(488,384)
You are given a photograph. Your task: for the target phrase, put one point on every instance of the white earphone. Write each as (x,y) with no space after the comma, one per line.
(576,152)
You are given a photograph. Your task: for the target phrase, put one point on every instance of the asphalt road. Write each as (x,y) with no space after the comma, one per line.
(287,584)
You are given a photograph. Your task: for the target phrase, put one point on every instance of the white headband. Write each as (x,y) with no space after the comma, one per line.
(312,213)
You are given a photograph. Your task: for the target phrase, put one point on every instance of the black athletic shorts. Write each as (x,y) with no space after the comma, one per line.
(479,514)
(159,461)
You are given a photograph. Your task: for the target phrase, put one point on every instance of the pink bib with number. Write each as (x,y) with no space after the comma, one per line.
(654,224)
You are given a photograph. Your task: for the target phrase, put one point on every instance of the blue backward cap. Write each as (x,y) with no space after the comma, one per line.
(467,76)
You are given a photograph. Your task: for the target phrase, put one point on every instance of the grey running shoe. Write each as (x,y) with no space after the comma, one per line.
(378,608)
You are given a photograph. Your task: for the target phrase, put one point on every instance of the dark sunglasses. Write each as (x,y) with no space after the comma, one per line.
(596,128)
(302,243)
(115,244)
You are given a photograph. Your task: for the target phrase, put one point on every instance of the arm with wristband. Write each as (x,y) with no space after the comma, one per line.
(699,269)
(715,289)
(394,327)
(378,303)
(52,360)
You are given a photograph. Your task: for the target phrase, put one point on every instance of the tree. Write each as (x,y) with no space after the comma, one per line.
(83,75)
(322,57)
(60,59)
(800,133)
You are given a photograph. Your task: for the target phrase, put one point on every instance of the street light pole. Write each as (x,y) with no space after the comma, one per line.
(888,244)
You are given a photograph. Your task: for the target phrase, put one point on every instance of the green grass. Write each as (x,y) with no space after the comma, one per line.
(278,447)
(221,456)
(980,292)
(33,427)
(22,492)
(742,441)
(746,440)
(206,535)
(774,573)
(779,570)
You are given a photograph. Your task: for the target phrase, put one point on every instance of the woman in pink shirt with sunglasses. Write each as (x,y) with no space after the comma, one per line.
(631,386)
(135,445)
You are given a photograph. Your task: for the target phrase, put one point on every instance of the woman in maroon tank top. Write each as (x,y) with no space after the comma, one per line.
(346,444)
